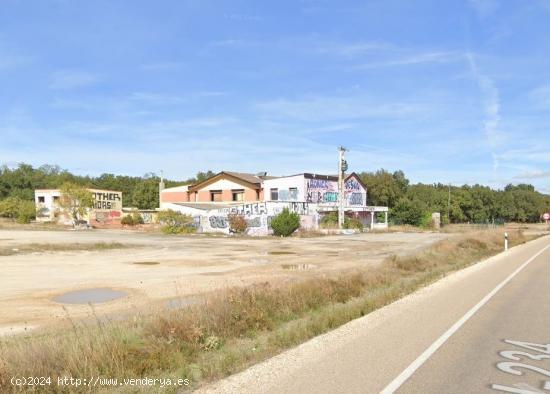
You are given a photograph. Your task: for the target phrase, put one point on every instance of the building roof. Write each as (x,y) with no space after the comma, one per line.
(254,180)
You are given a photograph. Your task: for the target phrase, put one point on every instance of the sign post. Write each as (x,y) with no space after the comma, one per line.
(505,241)
(546,217)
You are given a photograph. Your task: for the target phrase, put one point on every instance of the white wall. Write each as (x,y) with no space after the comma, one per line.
(223,184)
(284,184)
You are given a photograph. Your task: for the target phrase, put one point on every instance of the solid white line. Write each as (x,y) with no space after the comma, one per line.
(398,381)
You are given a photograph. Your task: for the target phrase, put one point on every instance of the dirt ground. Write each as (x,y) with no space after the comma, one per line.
(176,267)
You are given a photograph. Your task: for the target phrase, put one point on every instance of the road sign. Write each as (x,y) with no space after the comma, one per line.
(546,216)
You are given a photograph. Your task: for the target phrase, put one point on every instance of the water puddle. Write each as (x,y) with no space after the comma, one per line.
(298,266)
(146,262)
(94,296)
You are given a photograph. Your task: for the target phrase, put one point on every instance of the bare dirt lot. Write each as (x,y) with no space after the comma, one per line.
(154,269)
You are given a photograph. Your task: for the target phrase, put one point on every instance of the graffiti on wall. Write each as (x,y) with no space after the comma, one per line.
(107,201)
(326,191)
(321,190)
(218,222)
(257,208)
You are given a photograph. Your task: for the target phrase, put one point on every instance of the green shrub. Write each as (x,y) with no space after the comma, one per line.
(127,220)
(353,223)
(175,222)
(137,218)
(15,208)
(26,211)
(237,223)
(331,221)
(285,223)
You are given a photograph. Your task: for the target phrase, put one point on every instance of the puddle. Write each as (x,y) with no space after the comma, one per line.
(178,303)
(280,252)
(94,296)
(146,263)
(298,266)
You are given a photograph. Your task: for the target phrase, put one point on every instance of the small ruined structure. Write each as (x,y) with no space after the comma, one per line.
(259,197)
(106,209)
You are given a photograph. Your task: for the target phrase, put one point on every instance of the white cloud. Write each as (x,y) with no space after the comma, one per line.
(66,79)
(491,101)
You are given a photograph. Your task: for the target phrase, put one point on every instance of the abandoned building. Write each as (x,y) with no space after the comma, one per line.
(106,209)
(259,197)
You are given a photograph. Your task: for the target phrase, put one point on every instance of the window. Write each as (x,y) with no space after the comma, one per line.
(55,199)
(41,199)
(274,194)
(293,193)
(215,195)
(238,195)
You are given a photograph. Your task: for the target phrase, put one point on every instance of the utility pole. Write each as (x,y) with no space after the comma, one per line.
(342,168)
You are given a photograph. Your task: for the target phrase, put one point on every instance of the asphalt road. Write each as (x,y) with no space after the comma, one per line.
(485,329)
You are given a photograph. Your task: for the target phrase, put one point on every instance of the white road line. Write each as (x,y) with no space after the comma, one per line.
(407,373)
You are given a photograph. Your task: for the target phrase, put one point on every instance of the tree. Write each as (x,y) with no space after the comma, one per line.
(75,201)
(146,194)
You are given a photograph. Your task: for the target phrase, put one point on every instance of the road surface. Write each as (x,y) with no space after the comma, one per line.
(485,329)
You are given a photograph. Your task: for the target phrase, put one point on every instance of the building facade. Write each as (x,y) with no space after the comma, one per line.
(260,197)
(106,208)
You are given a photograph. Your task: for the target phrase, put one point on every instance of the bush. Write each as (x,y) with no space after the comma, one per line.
(331,221)
(133,219)
(26,211)
(407,212)
(285,223)
(15,208)
(127,220)
(175,222)
(353,223)
(237,223)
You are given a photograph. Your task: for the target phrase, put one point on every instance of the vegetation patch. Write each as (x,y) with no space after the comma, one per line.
(237,327)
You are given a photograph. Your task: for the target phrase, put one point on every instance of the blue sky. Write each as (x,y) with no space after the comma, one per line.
(448,91)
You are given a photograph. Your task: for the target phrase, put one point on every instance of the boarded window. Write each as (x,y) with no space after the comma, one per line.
(274,194)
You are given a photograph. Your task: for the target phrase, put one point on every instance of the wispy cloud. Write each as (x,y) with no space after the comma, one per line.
(420,58)
(66,79)
(533,175)
(157,98)
(323,108)
(242,17)
(491,102)
(161,66)
(485,8)
(540,97)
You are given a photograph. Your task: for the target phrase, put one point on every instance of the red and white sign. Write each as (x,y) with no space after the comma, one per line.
(546,216)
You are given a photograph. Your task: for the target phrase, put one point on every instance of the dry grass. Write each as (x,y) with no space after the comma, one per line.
(235,328)
(46,247)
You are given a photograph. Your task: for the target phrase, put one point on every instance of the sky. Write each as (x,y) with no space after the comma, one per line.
(454,91)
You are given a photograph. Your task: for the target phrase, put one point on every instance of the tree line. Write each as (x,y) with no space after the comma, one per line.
(408,203)
(414,203)
(139,192)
